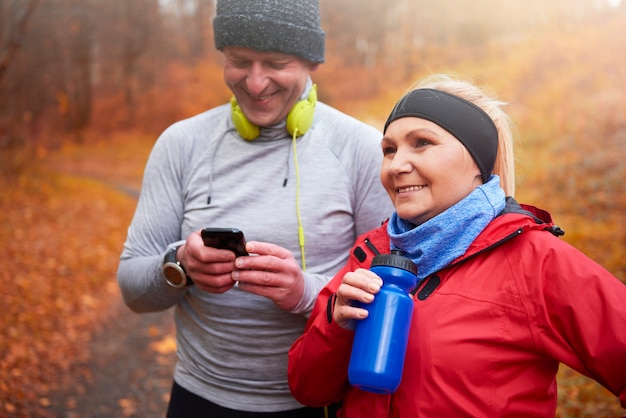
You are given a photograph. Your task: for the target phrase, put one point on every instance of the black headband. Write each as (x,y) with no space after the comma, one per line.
(471,125)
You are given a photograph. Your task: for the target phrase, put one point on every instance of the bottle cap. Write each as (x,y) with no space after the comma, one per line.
(395,260)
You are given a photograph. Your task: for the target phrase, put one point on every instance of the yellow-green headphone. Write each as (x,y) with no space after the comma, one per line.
(299,119)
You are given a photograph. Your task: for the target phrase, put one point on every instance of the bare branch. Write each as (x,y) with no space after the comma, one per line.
(14,41)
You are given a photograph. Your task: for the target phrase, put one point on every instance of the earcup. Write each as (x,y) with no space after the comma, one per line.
(299,119)
(246,129)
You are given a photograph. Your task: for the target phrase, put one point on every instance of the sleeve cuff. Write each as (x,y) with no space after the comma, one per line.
(309,295)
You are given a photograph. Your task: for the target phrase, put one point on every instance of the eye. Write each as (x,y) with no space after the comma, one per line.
(239,62)
(388,146)
(388,150)
(421,142)
(277,65)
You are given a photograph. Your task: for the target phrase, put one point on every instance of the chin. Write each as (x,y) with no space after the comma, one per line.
(410,217)
(406,211)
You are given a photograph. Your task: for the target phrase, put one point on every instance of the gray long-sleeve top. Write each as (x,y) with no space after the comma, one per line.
(232,347)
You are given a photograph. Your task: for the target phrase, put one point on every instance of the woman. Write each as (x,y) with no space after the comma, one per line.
(501,299)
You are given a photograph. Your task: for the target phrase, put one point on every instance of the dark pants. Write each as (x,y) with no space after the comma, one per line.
(184,404)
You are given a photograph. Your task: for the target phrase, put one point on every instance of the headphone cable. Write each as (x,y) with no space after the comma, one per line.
(300,226)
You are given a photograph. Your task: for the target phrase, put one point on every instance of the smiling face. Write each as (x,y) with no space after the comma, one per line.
(425,169)
(266,84)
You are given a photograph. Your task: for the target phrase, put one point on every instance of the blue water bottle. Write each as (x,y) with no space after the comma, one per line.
(380,340)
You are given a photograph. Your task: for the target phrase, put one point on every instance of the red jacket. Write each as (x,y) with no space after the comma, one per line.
(488,332)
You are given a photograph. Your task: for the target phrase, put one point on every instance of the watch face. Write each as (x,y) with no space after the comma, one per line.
(173,275)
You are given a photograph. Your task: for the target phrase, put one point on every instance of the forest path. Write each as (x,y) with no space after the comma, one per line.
(131,358)
(130,370)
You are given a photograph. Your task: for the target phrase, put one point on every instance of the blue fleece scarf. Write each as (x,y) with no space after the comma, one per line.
(440,240)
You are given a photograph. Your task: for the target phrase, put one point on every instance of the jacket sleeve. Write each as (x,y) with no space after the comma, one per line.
(579,313)
(318,360)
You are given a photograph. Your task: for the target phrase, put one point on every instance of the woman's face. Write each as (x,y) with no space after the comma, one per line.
(266,84)
(425,169)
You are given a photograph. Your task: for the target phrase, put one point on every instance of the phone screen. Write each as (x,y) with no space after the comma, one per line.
(225,238)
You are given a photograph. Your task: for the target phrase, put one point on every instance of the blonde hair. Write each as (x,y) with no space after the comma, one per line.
(504,165)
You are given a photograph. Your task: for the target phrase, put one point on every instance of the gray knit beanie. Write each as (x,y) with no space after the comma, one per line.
(288,26)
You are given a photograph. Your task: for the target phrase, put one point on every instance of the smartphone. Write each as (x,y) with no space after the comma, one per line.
(225,238)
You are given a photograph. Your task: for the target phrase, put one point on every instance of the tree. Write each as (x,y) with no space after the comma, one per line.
(14,16)
(129,37)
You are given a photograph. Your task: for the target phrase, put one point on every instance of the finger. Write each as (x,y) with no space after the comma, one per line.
(346,294)
(261,263)
(347,312)
(283,289)
(267,248)
(364,279)
(345,315)
(214,283)
(271,292)
(359,287)
(196,268)
(258,278)
(214,255)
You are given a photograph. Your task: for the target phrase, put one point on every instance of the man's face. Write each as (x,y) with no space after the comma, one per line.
(266,84)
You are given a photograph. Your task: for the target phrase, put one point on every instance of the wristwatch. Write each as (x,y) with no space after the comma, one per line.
(173,272)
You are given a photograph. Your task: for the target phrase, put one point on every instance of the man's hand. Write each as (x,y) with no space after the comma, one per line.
(210,268)
(272,272)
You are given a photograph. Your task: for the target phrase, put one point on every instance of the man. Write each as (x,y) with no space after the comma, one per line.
(299,178)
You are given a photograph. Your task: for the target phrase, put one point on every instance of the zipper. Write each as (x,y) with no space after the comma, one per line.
(502,241)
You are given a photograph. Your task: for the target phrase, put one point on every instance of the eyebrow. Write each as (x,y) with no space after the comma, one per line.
(422,132)
(418,132)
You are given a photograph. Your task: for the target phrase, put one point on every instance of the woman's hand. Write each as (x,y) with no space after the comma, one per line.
(361,286)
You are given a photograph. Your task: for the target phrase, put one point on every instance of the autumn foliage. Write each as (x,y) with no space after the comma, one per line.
(67,199)
(61,235)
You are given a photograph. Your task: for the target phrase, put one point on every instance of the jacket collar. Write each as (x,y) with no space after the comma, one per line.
(511,222)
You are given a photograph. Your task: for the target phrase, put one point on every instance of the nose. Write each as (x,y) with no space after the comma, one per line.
(257,80)
(400,164)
